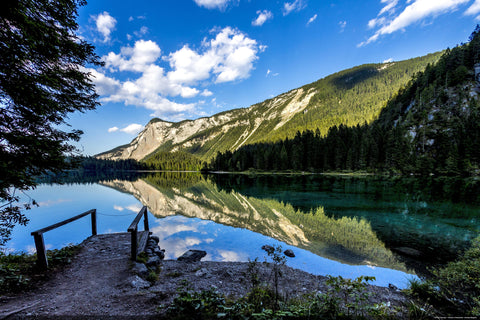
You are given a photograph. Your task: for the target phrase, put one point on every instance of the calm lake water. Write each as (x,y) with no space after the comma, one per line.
(391,229)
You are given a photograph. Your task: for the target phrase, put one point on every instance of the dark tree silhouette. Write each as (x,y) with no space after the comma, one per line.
(42,80)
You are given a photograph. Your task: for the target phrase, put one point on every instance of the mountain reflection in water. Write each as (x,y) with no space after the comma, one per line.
(289,209)
(387,228)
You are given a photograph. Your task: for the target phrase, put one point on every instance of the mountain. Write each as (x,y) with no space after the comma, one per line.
(431,126)
(349,97)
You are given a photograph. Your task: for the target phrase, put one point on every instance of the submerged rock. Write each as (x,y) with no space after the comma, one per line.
(289,253)
(268,248)
(192,256)
(409,251)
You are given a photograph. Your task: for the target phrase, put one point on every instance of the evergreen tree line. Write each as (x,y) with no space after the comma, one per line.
(431,126)
(91,164)
(172,161)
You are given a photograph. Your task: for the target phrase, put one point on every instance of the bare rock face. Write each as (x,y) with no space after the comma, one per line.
(192,256)
(236,124)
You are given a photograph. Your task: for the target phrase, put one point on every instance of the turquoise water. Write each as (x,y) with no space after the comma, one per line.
(358,227)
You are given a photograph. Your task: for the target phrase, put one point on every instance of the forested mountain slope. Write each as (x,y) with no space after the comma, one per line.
(432,126)
(349,97)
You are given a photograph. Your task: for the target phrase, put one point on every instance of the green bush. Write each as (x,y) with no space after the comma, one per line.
(455,288)
(18,270)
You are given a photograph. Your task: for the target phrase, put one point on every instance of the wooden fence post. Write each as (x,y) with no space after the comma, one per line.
(145,220)
(94,222)
(134,232)
(41,253)
(133,255)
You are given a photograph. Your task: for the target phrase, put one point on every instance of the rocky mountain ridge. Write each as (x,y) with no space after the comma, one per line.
(345,97)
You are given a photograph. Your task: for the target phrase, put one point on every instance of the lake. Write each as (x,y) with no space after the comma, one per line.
(392,229)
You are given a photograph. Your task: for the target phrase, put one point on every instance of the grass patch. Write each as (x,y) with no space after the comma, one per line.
(18,272)
(344,299)
(174,274)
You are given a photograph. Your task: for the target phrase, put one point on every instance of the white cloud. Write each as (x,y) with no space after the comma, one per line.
(133,129)
(416,11)
(473,9)
(228,255)
(103,85)
(143,31)
(228,56)
(297,5)
(189,66)
(388,60)
(269,72)
(212,4)
(342,25)
(376,22)
(134,207)
(312,19)
(263,16)
(389,7)
(138,58)
(105,24)
(235,54)
(50,203)
(206,93)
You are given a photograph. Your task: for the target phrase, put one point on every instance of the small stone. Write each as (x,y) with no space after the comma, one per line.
(268,248)
(140,269)
(202,272)
(138,283)
(153,261)
(393,287)
(192,256)
(151,243)
(228,274)
(289,253)
(160,253)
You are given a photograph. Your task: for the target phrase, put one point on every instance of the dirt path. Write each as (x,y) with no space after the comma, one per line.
(100,283)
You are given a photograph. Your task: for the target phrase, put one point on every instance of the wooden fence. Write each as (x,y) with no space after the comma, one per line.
(40,243)
(138,243)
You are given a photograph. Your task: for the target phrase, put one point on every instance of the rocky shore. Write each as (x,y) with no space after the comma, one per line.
(101,281)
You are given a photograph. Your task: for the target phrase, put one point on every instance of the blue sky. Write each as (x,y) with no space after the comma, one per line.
(185,59)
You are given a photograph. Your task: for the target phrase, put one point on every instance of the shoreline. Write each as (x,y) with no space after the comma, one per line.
(101,281)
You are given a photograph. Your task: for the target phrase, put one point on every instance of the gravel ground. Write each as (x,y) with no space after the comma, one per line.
(100,283)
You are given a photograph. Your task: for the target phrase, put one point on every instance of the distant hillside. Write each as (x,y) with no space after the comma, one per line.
(431,126)
(349,97)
